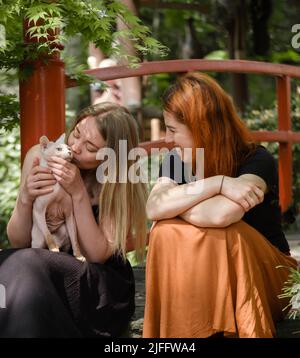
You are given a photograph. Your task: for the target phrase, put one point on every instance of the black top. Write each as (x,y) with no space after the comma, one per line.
(95,209)
(264,217)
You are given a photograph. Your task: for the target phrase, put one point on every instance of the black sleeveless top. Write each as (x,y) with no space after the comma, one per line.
(95,209)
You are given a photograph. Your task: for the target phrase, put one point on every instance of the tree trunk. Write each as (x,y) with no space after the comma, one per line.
(131,87)
(237,50)
(261,11)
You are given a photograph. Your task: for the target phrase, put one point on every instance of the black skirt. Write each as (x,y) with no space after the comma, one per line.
(52,294)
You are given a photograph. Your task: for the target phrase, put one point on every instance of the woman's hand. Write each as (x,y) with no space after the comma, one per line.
(67,175)
(39,181)
(242,191)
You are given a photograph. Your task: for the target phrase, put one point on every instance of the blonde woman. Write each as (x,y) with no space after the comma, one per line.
(52,294)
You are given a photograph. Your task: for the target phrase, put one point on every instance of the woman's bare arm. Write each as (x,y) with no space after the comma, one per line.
(93,243)
(20,223)
(35,181)
(220,211)
(168,200)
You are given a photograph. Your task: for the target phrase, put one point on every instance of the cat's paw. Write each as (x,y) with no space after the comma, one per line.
(80,258)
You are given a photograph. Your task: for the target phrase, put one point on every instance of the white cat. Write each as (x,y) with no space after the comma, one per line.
(54,225)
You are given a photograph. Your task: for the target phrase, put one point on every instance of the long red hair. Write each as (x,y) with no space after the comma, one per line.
(197,101)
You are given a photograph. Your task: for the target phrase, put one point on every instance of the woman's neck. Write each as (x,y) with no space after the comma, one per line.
(92,186)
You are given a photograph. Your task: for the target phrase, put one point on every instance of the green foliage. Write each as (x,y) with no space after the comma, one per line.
(291,290)
(9,178)
(9,111)
(75,71)
(290,56)
(156,85)
(217,55)
(94,20)
(284,16)
(266,119)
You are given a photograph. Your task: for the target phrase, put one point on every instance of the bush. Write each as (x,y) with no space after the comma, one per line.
(9,178)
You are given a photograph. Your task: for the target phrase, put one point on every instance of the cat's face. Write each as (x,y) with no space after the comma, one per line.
(62,151)
(49,149)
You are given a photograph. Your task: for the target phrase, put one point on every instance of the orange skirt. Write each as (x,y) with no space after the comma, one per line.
(200,281)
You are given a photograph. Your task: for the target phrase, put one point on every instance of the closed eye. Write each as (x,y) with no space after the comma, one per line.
(171,129)
(76,132)
(59,149)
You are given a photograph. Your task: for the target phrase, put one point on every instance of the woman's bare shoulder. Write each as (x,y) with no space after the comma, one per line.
(35,149)
(33,152)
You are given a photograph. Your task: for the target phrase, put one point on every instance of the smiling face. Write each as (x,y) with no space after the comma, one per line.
(85,141)
(177,132)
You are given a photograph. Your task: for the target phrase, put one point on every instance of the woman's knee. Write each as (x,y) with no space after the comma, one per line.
(168,226)
(177,223)
(172,228)
(25,259)
(22,267)
(25,279)
(175,231)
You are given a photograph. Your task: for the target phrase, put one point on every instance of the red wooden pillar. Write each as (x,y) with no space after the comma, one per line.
(285,149)
(42,100)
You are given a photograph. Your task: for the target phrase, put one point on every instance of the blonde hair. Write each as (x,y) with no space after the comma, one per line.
(123,203)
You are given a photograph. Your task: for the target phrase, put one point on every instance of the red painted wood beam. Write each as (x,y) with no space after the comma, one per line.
(42,100)
(277,136)
(285,165)
(259,136)
(171,66)
(155,144)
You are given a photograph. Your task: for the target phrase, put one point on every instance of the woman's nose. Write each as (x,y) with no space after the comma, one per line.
(169,137)
(76,148)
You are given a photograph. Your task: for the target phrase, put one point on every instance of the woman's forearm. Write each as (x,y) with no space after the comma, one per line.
(218,211)
(170,200)
(20,223)
(92,241)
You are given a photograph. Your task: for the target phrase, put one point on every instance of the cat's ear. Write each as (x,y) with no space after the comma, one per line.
(44,141)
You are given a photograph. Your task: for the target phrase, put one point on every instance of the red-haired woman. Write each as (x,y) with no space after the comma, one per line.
(211,265)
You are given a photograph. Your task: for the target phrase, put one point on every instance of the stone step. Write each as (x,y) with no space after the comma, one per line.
(295,248)
(288,328)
